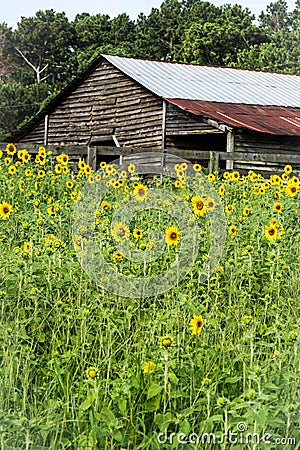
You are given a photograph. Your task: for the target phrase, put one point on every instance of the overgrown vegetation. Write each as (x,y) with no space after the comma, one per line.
(46,51)
(81,368)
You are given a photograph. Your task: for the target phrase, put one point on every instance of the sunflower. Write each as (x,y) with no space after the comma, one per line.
(278,207)
(199,207)
(28,172)
(140,192)
(120,232)
(149,367)
(246,212)
(288,169)
(210,203)
(117,257)
(26,247)
(178,184)
(5,210)
(11,149)
(291,190)
(87,170)
(105,206)
(25,156)
(63,159)
(196,324)
(137,234)
(69,184)
(221,190)
(271,232)
(92,373)
(275,179)
(232,230)
(12,170)
(51,210)
(42,151)
(65,170)
(211,177)
(131,168)
(183,166)
(81,164)
(58,168)
(229,209)
(41,173)
(197,167)
(7,161)
(172,236)
(166,341)
(235,176)
(21,185)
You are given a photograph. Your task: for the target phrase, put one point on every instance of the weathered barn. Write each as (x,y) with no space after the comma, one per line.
(156,104)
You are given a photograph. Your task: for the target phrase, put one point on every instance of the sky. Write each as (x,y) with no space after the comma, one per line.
(11,11)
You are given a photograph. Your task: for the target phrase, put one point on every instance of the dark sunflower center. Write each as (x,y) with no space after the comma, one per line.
(199,324)
(6,210)
(173,235)
(271,232)
(199,205)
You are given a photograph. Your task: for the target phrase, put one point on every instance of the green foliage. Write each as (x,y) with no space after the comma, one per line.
(73,356)
(19,103)
(49,46)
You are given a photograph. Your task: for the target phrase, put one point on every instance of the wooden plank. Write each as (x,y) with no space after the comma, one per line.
(261,157)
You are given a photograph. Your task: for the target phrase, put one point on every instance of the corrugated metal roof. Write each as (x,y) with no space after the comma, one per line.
(265,119)
(214,84)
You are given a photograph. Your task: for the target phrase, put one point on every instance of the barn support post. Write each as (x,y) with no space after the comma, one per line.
(229,148)
(46,129)
(92,157)
(163,139)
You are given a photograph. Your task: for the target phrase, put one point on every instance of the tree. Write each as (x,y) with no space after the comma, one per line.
(218,42)
(7,67)
(276,18)
(49,50)
(18,103)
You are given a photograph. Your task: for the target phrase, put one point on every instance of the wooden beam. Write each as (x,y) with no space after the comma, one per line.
(164,116)
(46,129)
(229,149)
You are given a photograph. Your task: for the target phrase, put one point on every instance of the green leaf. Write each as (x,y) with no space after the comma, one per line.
(173,379)
(106,415)
(122,404)
(154,389)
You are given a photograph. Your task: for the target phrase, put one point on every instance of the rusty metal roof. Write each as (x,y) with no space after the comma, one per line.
(264,119)
(214,84)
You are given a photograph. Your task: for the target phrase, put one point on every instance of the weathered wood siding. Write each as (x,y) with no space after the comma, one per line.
(106,103)
(259,143)
(179,121)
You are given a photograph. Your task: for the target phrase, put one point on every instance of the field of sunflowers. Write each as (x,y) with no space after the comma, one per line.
(207,364)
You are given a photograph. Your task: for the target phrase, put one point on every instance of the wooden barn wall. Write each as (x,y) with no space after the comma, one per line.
(37,135)
(251,142)
(178,120)
(107,103)
(187,131)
